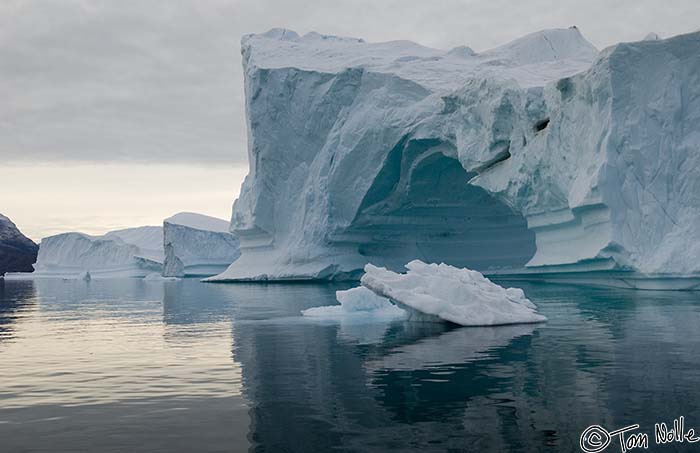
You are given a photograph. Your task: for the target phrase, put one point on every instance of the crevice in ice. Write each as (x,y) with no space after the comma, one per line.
(501,156)
(541,125)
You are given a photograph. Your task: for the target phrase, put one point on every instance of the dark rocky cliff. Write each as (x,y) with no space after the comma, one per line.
(17,252)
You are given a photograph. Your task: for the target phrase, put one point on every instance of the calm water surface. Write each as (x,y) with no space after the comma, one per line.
(128,365)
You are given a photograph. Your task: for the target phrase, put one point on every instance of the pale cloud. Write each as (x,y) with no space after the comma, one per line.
(160,80)
(119,113)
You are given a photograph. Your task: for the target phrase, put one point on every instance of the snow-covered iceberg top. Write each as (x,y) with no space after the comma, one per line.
(532,60)
(197,245)
(199,222)
(461,296)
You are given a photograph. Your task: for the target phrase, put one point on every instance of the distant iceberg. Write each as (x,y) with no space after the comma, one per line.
(543,156)
(197,245)
(187,244)
(133,252)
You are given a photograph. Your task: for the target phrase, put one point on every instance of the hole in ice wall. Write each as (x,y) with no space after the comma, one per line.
(566,88)
(421,206)
(541,125)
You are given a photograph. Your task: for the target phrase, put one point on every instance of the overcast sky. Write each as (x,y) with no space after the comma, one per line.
(159,82)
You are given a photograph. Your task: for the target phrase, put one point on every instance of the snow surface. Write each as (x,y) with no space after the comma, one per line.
(197,245)
(148,239)
(435,292)
(200,222)
(542,155)
(359,303)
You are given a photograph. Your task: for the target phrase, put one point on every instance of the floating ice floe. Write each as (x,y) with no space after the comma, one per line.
(439,292)
(431,293)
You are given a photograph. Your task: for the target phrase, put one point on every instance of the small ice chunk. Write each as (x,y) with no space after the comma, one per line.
(461,296)
(361,299)
(83,276)
(652,37)
(357,301)
(156,277)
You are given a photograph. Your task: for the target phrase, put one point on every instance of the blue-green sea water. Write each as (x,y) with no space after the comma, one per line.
(132,365)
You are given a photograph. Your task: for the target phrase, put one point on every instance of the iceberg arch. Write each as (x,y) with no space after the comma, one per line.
(421,206)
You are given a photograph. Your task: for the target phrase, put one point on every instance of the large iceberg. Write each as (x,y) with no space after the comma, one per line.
(196,244)
(17,252)
(541,156)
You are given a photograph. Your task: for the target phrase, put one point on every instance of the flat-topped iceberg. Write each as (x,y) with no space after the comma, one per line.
(187,244)
(540,156)
(197,245)
(133,252)
(433,292)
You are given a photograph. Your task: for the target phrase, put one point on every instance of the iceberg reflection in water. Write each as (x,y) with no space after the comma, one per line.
(185,366)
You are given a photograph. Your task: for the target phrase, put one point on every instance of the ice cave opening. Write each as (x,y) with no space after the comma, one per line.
(421,206)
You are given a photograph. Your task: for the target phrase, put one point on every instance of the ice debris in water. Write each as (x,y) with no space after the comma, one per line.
(157,277)
(434,292)
(356,302)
